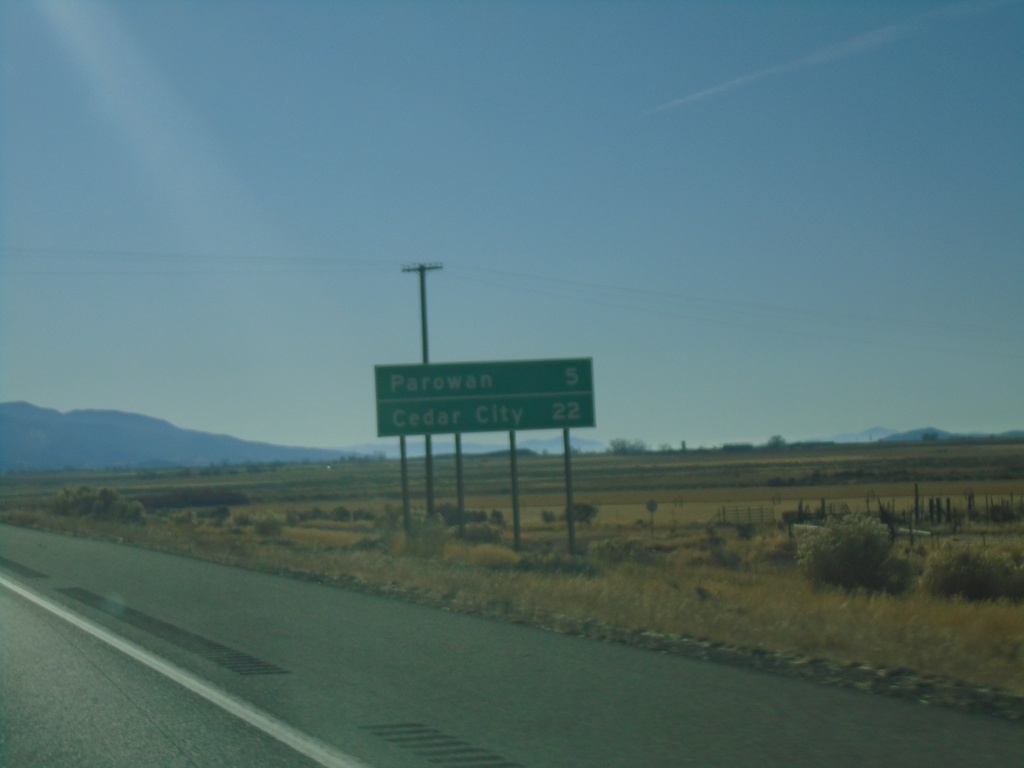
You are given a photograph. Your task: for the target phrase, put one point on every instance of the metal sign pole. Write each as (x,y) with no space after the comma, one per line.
(460,488)
(406,519)
(569,508)
(515,489)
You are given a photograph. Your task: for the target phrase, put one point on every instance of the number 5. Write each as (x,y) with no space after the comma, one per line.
(572,378)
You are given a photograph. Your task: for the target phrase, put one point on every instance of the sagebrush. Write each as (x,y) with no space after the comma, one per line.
(974,573)
(853,552)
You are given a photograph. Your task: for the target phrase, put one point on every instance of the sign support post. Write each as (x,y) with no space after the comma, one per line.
(515,490)
(570,512)
(406,519)
(459,488)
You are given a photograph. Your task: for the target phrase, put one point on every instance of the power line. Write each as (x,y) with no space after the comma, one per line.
(772,325)
(815,323)
(524,281)
(108,262)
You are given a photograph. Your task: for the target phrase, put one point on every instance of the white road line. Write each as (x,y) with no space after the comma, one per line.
(311,747)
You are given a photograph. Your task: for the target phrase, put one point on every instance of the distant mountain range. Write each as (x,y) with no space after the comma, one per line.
(34,438)
(867,436)
(885,435)
(931,433)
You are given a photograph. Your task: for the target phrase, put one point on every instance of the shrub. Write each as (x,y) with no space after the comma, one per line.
(488,555)
(712,540)
(973,574)
(450,515)
(372,543)
(448,512)
(780,549)
(391,518)
(97,503)
(583,513)
(217,516)
(482,533)
(548,516)
(746,531)
(427,540)
(558,562)
(614,551)
(268,527)
(202,496)
(724,558)
(852,553)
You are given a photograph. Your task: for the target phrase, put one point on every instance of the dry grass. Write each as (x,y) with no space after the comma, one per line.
(774,609)
(487,555)
(318,538)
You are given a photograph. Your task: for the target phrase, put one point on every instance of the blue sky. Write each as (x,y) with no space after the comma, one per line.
(757,218)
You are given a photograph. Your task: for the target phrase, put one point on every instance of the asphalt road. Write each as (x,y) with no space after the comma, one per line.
(68,699)
(395,684)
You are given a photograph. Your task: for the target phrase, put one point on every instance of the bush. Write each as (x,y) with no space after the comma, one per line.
(558,562)
(853,553)
(724,558)
(97,503)
(583,513)
(482,533)
(268,527)
(216,516)
(746,531)
(448,512)
(974,574)
(615,551)
(427,539)
(487,555)
(181,498)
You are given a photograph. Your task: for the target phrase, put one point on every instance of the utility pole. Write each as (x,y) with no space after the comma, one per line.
(423,269)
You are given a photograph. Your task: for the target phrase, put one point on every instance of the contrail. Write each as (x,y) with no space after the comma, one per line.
(841,50)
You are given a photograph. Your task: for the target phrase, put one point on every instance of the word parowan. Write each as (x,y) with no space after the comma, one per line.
(451,383)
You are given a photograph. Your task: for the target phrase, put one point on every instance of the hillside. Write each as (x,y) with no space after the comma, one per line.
(33,438)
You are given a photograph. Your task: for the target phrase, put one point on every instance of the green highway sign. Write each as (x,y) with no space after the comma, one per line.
(498,396)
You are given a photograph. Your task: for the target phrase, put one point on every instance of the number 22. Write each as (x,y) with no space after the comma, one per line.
(566,411)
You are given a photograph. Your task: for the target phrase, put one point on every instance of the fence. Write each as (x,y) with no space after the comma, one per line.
(740,515)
